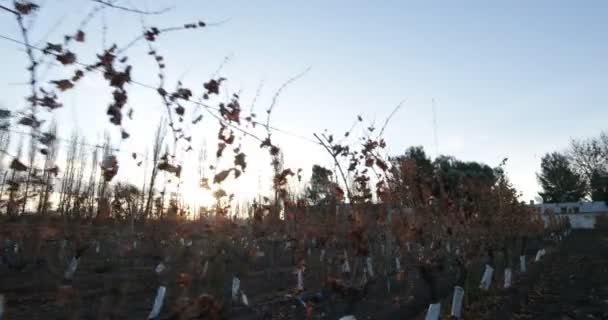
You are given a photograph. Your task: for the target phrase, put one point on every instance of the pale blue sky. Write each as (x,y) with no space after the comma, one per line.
(510,79)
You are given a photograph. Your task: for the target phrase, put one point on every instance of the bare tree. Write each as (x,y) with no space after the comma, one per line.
(69,174)
(159,138)
(588,156)
(142,195)
(202,160)
(91,185)
(103,206)
(80,167)
(32,152)
(49,170)
(5,140)
(12,205)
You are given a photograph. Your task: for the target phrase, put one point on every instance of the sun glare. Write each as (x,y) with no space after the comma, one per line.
(197,197)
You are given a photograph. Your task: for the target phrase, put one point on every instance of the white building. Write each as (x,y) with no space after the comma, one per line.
(582,215)
(572,207)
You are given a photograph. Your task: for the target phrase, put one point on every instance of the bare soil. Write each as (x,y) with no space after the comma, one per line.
(570,283)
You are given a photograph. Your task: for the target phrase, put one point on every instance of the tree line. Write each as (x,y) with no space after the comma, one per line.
(578,173)
(34,180)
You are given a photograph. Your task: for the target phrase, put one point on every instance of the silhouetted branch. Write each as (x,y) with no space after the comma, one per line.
(388,119)
(166,30)
(9,10)
(133,10)
(276,95)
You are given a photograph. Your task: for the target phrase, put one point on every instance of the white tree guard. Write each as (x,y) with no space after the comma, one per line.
(433,312)
(160,268)
(539,255)
(457,300)
(346,265)
(370,268)
(205,268)
(364,277)
(300,277)
(158,302)
(97,247)
(236,284)
(244,299)
(522,263)
(16,247)
(322,256)
(398,264)
(486,279)
(69,272)
(508,278)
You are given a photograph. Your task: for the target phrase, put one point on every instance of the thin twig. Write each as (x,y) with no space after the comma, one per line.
(51,30)
(336,162)
(30,54)
(397,107)
(208,110)
(133,10)
(67,40)
(9,10)
(161,85)
(165,30)
(147,86)
(255,98)
(104,31)
(352,127)
(226,60)
(281,88)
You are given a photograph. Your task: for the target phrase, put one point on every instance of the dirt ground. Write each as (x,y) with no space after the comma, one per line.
(574,281)
(570,283)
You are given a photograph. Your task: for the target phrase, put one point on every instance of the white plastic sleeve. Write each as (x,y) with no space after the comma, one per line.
(370,268)
(486,279)
(236,283)
(457,300)
(158,302)
(69,272)
(433,312)
(508,278)
(300,276)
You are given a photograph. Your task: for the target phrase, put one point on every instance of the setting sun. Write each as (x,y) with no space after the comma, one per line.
(196,196)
